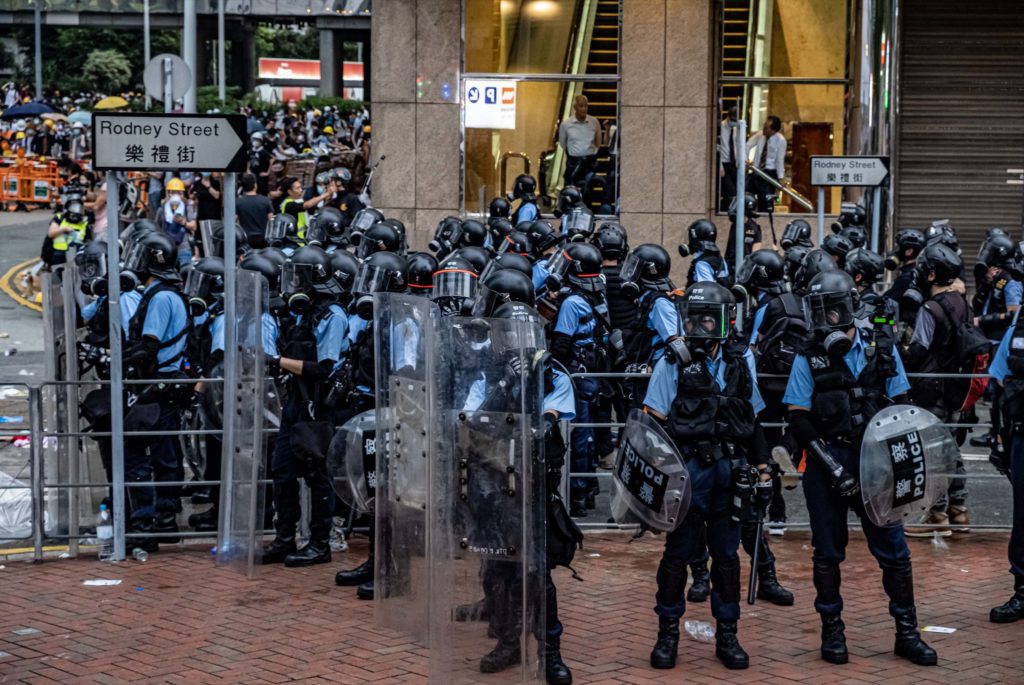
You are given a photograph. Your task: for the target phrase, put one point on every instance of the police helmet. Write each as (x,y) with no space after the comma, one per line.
(797,232)
(344,268)
(579,264)
(474,233)
(499,228)
(579,224)
(568,197)
(74,211)
(307,272)
(707,310)
(261,264)
(997,250)
(701,235)
(857,236)
(524,187)
(836,245)
(380,237)
(204,284)
(763,270)
(421,267)
(942,231)
(611,240)
(851,214)
(282,229)
(476,256)
(399,226)
(91,261)
(646,267)
(814,262)
(155,254)
(749,206)
(939,259)
(501,288)
(363,221)
(241,240)
(499,209)
(455,285)
(330,222)
(381,272)
(516,242)
(447,236)
(508,260)
(860,261)
(542,237)
(794,260)
(832,303)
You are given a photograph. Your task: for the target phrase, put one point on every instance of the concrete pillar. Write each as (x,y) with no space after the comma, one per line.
(330,64)
(244,48)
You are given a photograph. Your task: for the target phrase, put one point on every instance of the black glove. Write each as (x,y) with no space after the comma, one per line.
(550,425)
(762,495)
(273,365)
(514,369)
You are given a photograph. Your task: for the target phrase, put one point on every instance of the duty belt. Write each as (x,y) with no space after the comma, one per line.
(706,451)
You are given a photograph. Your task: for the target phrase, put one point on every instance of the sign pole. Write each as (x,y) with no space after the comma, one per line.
(876,214)
(741,192)
(168,87)
(145,43)
(116,378)
(821,215)
(230,322)
(221,87)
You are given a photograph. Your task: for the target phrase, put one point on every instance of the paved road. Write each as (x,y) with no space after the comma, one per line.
(21,234)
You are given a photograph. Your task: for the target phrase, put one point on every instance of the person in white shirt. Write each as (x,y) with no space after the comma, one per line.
(727,151)
(579,136)
(769,155)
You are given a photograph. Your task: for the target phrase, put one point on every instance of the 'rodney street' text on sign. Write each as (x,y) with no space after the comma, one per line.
(168,142)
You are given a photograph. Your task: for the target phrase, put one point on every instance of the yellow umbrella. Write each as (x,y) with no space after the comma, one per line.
(56,116)
(112,102)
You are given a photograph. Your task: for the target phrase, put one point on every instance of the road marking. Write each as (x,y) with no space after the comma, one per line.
(5,284)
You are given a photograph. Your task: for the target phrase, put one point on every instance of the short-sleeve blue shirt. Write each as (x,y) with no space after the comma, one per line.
(573,309)
(561,399)
(800,388)
(166,318)
(1000,368)
(662,322)
(540,274)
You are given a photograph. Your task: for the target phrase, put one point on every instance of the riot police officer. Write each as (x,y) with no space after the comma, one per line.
(909,243)
(313,347)
(933,350)
(797,232)
(524,189)
(707,263)
(283,232)
(543,240)
(751,230)
(704,393)
(577,220)
(1007,369)
(421,267)
(840,381)
(578,343)
(155,349)
(838,246)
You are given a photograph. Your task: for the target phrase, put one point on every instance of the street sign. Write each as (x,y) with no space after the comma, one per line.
(490,104)
(865,172)
(167,142)
(153,77)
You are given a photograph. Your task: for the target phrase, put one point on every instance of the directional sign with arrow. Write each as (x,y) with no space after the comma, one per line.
(168,142)
(865,172)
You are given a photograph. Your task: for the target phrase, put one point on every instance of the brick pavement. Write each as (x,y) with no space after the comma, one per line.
(179,619)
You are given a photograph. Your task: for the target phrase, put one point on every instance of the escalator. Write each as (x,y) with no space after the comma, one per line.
(736,17)
(603,58)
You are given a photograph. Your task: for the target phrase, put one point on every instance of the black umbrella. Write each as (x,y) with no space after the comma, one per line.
(29,109)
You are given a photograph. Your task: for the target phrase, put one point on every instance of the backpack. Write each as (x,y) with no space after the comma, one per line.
(972,352)
(784,339)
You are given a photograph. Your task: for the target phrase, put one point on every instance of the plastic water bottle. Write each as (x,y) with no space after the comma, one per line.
(702,631)
(105,533)
(140,555)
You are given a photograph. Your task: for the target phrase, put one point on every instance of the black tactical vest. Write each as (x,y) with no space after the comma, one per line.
(702,412)
(712,258)
(841,404)
(622,310)
(1012,403)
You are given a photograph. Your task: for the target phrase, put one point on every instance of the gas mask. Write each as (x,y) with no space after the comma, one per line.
(297,286)
(832,315)
(893,261)
(837,344)
(629,272)
(130,281)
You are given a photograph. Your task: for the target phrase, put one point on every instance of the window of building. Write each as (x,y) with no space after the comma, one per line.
(786,59)
(526,63)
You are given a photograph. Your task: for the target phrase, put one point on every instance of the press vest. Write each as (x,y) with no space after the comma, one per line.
(300,219)
(60,243)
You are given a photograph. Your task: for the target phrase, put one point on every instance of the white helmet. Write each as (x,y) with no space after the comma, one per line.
(257,136)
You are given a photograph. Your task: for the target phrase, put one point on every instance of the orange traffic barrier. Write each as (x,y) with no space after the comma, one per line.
(27,182)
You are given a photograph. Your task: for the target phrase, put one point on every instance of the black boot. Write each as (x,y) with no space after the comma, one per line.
(727,647)
(833,640)
(363,573)
(167,523)
(1013,609)
(555,670)
(899,585)
(665,649)
(315,552)
(505,654)
(477,611)
(768,587)
(701,587)
(281,547)
(148,544)
(578,507)
(365,590)
(205,522)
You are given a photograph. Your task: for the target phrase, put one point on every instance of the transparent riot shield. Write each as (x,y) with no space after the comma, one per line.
(487,555)
(352,462)
(207,228)
(239,536)
(906,461)
(409,371)
(650,482)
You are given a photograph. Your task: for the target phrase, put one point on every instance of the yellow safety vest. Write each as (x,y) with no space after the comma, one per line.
(60,243)
(301,218)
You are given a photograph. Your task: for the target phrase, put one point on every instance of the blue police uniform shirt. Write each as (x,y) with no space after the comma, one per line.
(663,321)
(268,334)
(1000,368)
(755,329)
(1011,296)
(129,305)
(561,399)
(527,212)
(572,310)
(166,318)
(540,274)
(704,272)
(356,325)
(331,335)
(800,387)
(661,391)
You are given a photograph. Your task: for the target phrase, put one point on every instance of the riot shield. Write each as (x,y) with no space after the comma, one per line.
(650,483)
(352,462)
(906,461)
(207,228)
(239,536)
(487,548)
(409,368)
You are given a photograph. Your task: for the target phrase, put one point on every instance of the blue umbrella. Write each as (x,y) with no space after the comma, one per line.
(29,109)
(254,125)
(81,116)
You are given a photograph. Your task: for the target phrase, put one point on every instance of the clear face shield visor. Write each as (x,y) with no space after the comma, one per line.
(831,311)
(706,321)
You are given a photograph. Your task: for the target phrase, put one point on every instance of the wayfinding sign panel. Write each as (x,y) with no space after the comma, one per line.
(490,104)
(168,142)
(864,172)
